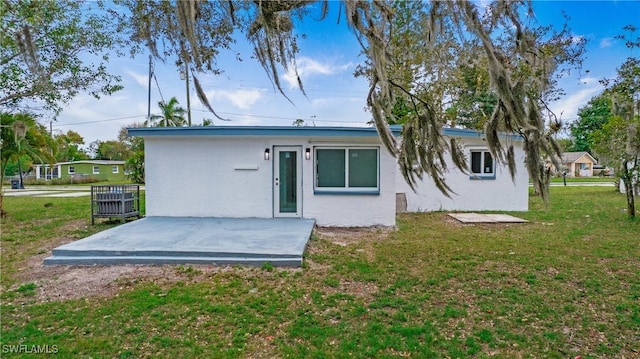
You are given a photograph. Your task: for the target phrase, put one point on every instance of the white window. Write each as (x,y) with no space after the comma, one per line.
(353,169)
(72,170)
(96,170)
(115,169)
(482,164)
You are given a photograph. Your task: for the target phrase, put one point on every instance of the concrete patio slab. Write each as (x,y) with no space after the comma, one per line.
(188,240)
(486,218)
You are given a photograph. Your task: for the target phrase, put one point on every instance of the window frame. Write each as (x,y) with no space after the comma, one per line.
(71,170)
(482,175)
(115,169)
(346,190)
(96,170)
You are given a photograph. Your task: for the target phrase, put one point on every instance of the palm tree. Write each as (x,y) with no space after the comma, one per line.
(172,115)
(22,135)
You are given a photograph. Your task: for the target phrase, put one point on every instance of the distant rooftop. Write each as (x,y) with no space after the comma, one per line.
(570,157)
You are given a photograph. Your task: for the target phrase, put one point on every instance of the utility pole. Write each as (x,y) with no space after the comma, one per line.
(149,94)
(186,70)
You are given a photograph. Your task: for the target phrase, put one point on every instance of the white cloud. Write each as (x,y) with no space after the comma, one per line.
(345,111)
(308,67)
(242,99)
(570,105)
(86,108)
(100,119)
(606,42)
(589,80)
(142,80)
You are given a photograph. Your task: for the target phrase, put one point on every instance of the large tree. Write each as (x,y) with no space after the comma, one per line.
(134,164)
(411,49)
(619,138)
(171,115)
(591,118)
(473,100)
(23,137)
(109,150)
(43,52)
(68,147)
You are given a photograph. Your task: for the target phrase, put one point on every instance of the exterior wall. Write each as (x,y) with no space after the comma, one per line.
(588,166)
(86,169)
(354,210)
(200,176)
(499,194)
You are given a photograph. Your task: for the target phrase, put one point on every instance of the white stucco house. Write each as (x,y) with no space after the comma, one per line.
(339,176)
(488,186)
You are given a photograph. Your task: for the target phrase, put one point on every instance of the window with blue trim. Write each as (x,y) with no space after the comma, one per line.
(350,169)
(482,164)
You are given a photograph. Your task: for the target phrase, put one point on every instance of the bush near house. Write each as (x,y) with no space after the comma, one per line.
(64,181)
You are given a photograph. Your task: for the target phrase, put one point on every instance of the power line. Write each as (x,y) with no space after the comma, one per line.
(97,121)
(157,85)
(277,117)
(345,93)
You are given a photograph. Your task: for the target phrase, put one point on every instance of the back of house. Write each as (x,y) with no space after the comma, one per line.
(339,176)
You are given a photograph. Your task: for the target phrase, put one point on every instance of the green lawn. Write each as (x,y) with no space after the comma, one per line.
(566,284)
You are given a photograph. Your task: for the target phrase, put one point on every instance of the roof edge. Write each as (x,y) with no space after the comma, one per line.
(289,131)
(258,131)
(96,162)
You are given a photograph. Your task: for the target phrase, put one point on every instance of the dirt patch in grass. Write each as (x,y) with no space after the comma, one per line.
(344,236)
(363,239)
(72,282)
(74,225)
(59,283)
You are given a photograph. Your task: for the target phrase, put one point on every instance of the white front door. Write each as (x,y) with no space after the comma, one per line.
(287,181)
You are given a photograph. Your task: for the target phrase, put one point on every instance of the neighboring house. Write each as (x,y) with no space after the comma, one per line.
(578,164)
(339,176)
(104,170)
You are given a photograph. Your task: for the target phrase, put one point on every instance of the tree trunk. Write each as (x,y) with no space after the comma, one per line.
(20,172)
(628,189)
(3,167)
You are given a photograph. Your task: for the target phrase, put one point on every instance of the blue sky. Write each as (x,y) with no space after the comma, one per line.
(326,62)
